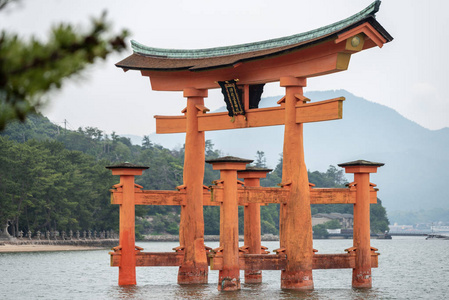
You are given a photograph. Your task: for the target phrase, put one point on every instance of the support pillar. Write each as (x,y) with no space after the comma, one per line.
(361,274)
(191,230)
(127,238)
(229,276)
(252,232)
(295,215)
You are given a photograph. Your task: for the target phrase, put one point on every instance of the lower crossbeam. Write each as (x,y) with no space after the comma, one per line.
(246,261)
(279,261)
(152,259)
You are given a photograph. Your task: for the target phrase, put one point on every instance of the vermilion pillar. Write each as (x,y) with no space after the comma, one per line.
(252,232)
(295,215)
(191,234)
(127,238)
(229,276)
(361,274)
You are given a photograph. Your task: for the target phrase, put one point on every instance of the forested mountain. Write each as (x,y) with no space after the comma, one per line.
(44,186)
(55,179)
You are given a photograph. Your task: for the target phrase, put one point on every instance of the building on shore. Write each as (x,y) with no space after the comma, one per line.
(346,220)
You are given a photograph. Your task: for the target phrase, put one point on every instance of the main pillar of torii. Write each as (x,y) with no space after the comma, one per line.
(295,230)
(191,227)
(289,60)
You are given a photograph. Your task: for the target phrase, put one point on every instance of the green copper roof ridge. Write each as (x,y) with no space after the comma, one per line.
(256,46)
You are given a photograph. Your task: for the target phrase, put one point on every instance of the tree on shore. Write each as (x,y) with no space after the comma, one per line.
(51,181)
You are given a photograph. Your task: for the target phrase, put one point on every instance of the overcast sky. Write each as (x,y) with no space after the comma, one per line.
(409,74)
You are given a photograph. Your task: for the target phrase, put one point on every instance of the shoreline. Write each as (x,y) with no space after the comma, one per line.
(11,248)
(22,245)
(26,245)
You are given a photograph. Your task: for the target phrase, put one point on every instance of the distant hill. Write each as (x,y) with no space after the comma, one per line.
(416,160)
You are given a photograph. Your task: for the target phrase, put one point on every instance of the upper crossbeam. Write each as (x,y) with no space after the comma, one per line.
(305,113)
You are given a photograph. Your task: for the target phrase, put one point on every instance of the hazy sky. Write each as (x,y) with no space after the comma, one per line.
(407,74)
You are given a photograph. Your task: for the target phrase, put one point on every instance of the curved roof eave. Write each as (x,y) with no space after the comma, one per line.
(158,59)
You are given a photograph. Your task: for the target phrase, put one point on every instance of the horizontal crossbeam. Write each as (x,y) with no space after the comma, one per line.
(151,259)
(253,262)
(279,261)
(305,113)
(152,197)
(246,261)
(320,111)
(245,195)
(324,58)
(265,195)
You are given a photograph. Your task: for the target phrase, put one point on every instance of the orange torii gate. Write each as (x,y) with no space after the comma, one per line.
(290,60)
(252,257)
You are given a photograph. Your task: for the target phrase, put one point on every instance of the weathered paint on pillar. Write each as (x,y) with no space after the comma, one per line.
(127,238)
(252,231)
(296,220)
(361,274)
(229,276)
(191,234)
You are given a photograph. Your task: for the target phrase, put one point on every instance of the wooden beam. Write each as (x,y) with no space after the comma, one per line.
(152,198)
(332,196)
(333,261)
(339,261)
(337,196)
(161,198)
(263,195)
(320,111)
(246,261)
(279,261)
(152,259)
(170,124)
(260,117)
(252,262)
(208,200)
(251,195)
(321,59)
(246,195)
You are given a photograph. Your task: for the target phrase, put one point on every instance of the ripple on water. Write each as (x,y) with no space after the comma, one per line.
(409,268)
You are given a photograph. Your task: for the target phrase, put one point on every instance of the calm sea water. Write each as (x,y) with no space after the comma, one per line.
(409,268)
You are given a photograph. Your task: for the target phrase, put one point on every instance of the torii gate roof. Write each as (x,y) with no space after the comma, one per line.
(149,59)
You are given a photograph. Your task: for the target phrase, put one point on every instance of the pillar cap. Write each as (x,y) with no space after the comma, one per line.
(292,81)
(361,166)
(361,162)
(127,169)
(193,92)
(256,169)
(230,159)
(253,172)
(126,165)
(229,163)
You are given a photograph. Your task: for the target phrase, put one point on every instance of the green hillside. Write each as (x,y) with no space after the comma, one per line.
(55,179)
